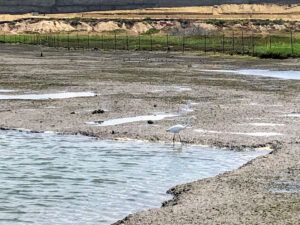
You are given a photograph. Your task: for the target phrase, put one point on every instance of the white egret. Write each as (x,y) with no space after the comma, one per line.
(178,128)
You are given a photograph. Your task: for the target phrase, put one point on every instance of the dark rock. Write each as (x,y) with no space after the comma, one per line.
(72,113)
(150,122)
(155,106)
(99,121)
(98,111)
(113,132)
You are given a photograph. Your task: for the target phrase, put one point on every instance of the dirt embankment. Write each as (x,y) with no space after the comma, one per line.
(147,26)
(185,20)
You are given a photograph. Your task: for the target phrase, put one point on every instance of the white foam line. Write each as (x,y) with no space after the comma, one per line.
(266,124)
(62,95)
(182,88)
(285,74)
(255,134)
(260,134)
(293,115)
(6,91)
(52,107)
(208,131)
(119,121)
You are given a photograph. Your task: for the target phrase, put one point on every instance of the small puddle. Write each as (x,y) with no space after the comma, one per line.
(62,95)
(285,74)
(120,121)
(254,134)
(63,179)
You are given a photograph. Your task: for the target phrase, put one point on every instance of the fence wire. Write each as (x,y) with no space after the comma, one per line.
(284,44)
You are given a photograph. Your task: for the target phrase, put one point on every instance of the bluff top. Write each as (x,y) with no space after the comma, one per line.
(61,6)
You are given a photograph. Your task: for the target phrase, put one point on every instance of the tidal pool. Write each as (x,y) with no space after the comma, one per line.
(59,179)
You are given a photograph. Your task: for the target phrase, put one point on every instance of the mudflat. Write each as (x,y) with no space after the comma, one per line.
(229,110)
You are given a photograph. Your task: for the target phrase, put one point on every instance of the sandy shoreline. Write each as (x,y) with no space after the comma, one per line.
(233,111)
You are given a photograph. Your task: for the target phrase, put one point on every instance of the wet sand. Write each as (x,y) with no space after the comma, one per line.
(232,111)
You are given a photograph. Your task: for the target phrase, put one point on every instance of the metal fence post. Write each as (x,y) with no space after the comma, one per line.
(243,44)
(183,43)
(253,44)
(115,41)
(68,42)
(233,42)
(77,41)
(58,40)
(292,42)
(168,43)
(139,42)
(205,44)
(223,43)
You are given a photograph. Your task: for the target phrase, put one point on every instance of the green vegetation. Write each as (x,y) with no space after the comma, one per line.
(151,31)
(270,46)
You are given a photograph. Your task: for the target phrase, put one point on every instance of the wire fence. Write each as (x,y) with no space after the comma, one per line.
(285,44)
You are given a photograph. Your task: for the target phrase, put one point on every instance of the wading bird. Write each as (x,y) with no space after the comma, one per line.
(178,128)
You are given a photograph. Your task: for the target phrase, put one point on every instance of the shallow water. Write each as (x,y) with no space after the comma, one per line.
(288,74)
(61,95)
(119,121)
(52,179)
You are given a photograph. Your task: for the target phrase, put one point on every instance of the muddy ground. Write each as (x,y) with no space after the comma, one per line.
(232,111)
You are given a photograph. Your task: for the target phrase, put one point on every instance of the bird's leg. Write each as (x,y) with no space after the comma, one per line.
(174,138)
(179,137)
